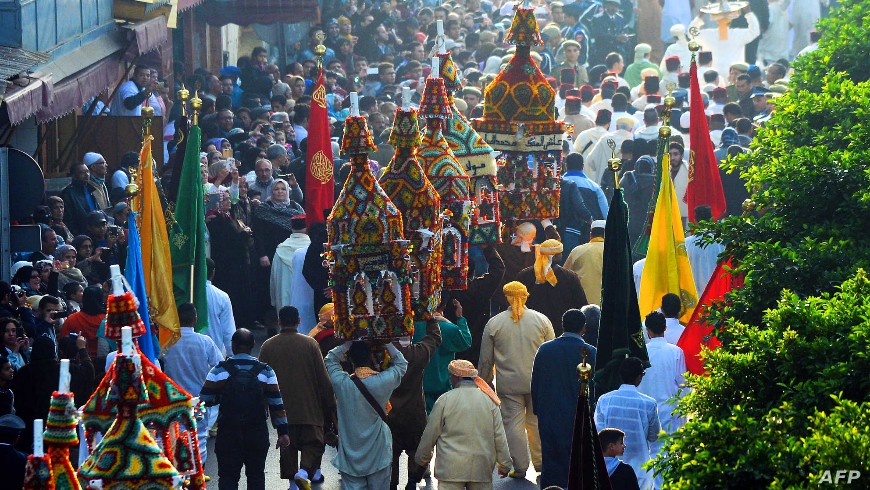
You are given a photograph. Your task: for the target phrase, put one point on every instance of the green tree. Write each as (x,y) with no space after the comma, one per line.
(788,393)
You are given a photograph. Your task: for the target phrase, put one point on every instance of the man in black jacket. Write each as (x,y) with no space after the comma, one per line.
(80,198)
(477,298)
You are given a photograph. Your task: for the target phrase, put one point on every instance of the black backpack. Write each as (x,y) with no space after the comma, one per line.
(242,401)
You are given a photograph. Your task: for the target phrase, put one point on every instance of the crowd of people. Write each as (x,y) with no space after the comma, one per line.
(491,382)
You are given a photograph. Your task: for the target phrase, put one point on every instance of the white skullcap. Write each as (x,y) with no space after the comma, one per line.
(91,158)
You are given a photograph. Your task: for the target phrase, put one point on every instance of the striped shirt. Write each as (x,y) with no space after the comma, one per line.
(217,378)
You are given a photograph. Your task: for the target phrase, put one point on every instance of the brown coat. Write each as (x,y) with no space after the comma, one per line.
(305,387)
(408,413)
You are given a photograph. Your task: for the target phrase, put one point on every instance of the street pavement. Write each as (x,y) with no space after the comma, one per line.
(332,478)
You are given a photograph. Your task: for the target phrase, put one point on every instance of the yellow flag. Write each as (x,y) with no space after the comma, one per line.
(156,262)
(667,268)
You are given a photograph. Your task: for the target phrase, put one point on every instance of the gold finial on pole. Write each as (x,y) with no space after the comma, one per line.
(132,188)
(669,102)
(584,372)
(320,49)
(694,47)
(195,106)
(614,163)
(147,114)
(183,95)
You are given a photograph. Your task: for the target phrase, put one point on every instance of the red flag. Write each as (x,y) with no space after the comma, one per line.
(698,332)
(319,174)
(705,186)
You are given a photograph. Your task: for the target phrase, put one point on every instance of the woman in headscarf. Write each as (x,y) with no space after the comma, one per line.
(232,261)
(69,273)
(29,279)
(220,144)
(271,226)
(242,212)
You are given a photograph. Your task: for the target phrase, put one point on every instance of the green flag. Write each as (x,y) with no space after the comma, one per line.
(642,243)
(187,236)
(620,332)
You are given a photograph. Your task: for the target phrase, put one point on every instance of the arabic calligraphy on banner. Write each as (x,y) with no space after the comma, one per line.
(540,143)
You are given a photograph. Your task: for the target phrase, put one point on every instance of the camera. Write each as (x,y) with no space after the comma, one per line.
(57,315)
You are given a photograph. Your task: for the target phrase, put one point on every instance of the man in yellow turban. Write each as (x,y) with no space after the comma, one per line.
(519,252)
(553,290)
(507,352)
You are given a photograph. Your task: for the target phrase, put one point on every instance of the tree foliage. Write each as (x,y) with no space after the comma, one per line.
(788,393)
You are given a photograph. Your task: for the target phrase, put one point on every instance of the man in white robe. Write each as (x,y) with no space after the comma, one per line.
(666,374)
(282,263)
(301,294)
(636,414)
(587,139)
(596,161)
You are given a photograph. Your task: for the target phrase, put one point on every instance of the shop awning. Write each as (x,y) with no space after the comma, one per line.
(187,4)
(79,89)
(76,76)
(146,36)
(246,12)
(23,102)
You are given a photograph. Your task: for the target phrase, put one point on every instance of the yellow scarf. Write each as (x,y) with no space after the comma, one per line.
(516,295)
(363,373)
(544,261)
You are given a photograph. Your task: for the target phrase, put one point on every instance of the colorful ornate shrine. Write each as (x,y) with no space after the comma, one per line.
(367,253)
(164,407)
(519,121)
(60,436)
(128,457)
(450,180)
(477,157)
(406,185)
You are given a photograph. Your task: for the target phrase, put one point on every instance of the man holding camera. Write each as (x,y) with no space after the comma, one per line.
(136,93)
(13,304)
(47,315)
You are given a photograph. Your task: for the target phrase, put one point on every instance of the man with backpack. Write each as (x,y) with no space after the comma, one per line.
(244,387)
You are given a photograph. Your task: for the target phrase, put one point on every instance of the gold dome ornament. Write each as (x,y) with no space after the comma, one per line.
(614,163)
(320,49)
(183,95)
(132,188)
(195,105)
